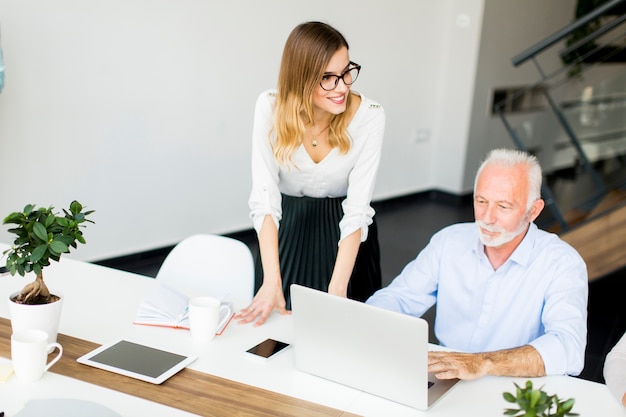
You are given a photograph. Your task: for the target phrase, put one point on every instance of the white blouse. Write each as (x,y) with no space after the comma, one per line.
(351,175)
(615,369)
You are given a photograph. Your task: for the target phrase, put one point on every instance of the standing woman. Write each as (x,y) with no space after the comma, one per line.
(315,154)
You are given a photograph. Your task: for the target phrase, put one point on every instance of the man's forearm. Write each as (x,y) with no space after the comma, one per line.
(523,361)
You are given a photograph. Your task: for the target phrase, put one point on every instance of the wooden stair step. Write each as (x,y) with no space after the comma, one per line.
(601,242)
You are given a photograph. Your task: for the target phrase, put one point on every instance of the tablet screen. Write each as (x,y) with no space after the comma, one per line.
(136,360)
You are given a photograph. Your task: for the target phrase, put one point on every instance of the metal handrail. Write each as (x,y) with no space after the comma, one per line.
(559,35)
(551,76)
(592,36)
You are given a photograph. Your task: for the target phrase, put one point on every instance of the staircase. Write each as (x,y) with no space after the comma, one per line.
(577,129)
(601,239)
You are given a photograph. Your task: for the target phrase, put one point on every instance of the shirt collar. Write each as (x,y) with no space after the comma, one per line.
(521,255)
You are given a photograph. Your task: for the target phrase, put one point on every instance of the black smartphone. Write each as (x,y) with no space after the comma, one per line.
(267,348)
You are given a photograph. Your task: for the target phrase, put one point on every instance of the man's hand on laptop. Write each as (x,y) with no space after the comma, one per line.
(449,365)
(268,297)
(521,361)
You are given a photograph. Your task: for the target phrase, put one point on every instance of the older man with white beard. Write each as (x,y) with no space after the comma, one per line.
(511,298)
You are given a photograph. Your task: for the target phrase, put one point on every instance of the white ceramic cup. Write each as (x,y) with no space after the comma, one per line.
(29,354)
(206,314)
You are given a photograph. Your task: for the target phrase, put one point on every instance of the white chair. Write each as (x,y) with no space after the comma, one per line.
(212,265)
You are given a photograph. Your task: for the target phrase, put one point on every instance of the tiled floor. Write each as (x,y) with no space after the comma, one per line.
(406,224)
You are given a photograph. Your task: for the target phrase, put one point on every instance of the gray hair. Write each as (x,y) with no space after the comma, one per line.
(509,158)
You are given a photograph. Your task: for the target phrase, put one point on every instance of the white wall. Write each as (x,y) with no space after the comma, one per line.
(142,109)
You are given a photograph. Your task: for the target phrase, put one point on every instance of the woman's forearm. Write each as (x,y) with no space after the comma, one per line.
(344,264)
(268,247)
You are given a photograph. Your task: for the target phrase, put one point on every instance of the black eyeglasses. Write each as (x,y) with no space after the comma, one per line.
(329,81)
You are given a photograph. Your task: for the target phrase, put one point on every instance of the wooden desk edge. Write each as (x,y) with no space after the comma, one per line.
(188,390)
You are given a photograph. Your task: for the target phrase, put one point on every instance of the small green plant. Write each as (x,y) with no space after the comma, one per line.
(536,403)
(42,236)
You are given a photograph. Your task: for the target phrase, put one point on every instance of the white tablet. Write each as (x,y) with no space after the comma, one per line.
(136,360)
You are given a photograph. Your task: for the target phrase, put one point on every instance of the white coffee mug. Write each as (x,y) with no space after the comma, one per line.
(29,354)
(206,315)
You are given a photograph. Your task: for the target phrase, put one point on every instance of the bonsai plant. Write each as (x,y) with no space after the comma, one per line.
(42,236)
(536,403)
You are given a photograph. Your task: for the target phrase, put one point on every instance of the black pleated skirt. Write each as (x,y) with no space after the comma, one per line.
(307,247)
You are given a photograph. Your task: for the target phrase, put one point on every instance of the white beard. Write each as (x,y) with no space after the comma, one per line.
(503,237)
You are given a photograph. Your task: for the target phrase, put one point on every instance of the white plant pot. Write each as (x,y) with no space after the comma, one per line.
(44,317)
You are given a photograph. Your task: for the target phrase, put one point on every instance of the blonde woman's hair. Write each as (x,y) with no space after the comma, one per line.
(308,50)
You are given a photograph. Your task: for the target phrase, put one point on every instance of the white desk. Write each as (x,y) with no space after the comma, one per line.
(100,304)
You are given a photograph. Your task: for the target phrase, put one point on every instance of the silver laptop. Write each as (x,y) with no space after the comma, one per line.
(365,347)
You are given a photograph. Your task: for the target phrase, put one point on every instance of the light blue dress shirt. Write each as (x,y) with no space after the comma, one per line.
(537,297)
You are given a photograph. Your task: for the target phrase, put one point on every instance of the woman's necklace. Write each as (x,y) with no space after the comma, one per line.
(314,141)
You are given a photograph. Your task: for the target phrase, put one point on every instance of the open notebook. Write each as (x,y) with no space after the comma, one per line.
(374,350)
(164,306)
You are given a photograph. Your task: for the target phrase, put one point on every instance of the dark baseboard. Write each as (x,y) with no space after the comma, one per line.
(137,258)
(438,196)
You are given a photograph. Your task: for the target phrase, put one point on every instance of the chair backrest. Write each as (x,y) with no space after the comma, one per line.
(214,265)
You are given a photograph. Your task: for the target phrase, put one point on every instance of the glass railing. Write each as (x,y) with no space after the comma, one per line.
(574,120)
(593,105)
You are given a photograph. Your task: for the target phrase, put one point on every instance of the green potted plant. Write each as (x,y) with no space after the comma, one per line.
(536,403)
(42,236)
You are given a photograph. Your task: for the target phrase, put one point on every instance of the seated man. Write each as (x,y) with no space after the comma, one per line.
(510,296)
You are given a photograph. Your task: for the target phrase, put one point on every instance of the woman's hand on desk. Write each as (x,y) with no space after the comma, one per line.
(268,298)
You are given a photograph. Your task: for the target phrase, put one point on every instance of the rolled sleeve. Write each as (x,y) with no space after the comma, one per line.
(358,212)
(265,198)
(562,346)
(356,218)
(555,357)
